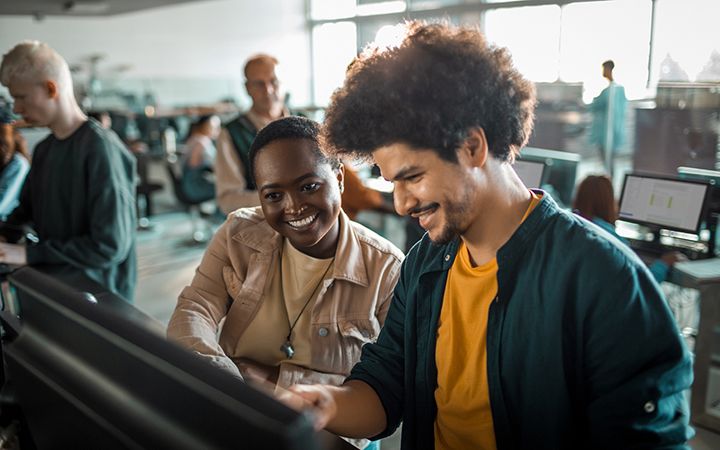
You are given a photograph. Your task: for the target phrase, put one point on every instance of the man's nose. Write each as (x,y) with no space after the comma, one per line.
(401,199)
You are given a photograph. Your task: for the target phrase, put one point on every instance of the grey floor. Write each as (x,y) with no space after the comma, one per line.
(167,260)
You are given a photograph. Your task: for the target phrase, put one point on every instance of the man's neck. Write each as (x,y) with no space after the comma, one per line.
(268,115)
(68,122)
(500,216)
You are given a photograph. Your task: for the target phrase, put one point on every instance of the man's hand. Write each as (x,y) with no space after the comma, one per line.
(670,258)
(14,254)
(316,399)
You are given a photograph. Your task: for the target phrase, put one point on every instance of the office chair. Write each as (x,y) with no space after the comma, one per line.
(201,230)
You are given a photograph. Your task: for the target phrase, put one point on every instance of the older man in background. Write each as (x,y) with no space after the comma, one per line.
(234,185)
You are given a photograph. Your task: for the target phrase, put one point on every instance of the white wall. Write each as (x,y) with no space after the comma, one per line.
(206,40)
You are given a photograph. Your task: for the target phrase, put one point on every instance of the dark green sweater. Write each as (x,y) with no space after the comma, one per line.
(582,351)
(80,198)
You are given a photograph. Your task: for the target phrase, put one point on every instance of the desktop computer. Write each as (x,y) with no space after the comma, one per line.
(672,210)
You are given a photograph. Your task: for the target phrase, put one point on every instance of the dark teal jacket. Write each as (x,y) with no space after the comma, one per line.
(582,350)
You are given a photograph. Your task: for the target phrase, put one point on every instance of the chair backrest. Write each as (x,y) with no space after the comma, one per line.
(174,171)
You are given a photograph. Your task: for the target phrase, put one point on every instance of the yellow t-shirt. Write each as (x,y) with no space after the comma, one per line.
(464,418)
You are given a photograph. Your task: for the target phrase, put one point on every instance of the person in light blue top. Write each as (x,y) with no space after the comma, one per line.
(595,201)
(14,164)
(608,117)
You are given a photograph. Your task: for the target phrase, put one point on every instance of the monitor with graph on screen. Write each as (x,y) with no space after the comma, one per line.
(663,202)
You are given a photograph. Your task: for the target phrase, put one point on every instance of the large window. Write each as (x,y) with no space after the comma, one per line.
(567,41)
(535,51)
(335,46)
(597,31)
(687,41)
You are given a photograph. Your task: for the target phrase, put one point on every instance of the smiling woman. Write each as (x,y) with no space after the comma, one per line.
(301,287)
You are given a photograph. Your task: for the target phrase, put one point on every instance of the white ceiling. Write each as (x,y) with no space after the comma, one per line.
(40,8)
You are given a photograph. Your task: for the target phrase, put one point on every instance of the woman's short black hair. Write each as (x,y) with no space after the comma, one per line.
(291,127)
(428,92)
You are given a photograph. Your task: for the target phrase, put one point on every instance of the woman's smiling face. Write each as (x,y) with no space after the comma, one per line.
(300,195)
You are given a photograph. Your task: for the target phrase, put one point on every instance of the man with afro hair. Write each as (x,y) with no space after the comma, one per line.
(514,324)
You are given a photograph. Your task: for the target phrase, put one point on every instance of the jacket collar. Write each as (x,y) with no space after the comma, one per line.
(443,256)
(349,258)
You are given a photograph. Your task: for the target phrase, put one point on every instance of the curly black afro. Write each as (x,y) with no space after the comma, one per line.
(428,92)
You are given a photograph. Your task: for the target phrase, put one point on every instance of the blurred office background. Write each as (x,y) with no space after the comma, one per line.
(155,65)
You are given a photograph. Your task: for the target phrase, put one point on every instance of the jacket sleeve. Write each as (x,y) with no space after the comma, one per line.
(203,305)
(636,367)
(111,206)
(382,364)
(12,228)
(230,182)
(11,182)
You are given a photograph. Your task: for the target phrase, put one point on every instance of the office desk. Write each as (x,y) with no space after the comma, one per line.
(704,275)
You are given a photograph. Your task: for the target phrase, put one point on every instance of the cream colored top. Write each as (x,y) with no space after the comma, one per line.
(295,282)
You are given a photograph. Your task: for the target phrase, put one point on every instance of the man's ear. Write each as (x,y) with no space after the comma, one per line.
(52,88)
(474,148)
(341,177)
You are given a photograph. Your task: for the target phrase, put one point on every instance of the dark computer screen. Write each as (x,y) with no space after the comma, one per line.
(559,173)
(530,172)
(87,377)
(663,202)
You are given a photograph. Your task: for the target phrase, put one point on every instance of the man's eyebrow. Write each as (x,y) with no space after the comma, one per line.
(404,172)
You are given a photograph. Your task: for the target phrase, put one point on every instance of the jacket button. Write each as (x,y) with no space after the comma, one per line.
(323,331)
(649,407)
(447,257)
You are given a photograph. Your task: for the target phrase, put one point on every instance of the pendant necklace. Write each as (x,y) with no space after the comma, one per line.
(287,346)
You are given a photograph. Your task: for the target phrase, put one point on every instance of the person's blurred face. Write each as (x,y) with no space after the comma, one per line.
(106,121)
(213,127)
(34,101)
(428,188)
(263,87)
(7,142)
(300,195)
(607,72)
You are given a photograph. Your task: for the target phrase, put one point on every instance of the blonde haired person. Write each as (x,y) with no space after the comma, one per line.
(80,192)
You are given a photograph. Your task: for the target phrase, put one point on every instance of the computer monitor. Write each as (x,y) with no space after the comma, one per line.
(559,173)
(712,177)
(662,202)
(88,377)
(530,172)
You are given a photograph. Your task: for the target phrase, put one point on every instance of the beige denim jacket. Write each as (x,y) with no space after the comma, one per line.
(230,284)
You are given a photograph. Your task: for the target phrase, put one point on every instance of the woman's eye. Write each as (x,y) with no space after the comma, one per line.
(311,187)
(272,196)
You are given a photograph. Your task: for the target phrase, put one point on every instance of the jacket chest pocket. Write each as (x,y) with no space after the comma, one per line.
(353,334)
(245,302)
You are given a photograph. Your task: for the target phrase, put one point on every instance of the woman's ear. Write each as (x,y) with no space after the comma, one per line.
(341,177)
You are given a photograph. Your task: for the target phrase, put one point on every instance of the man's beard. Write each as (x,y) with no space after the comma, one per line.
(453,227)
